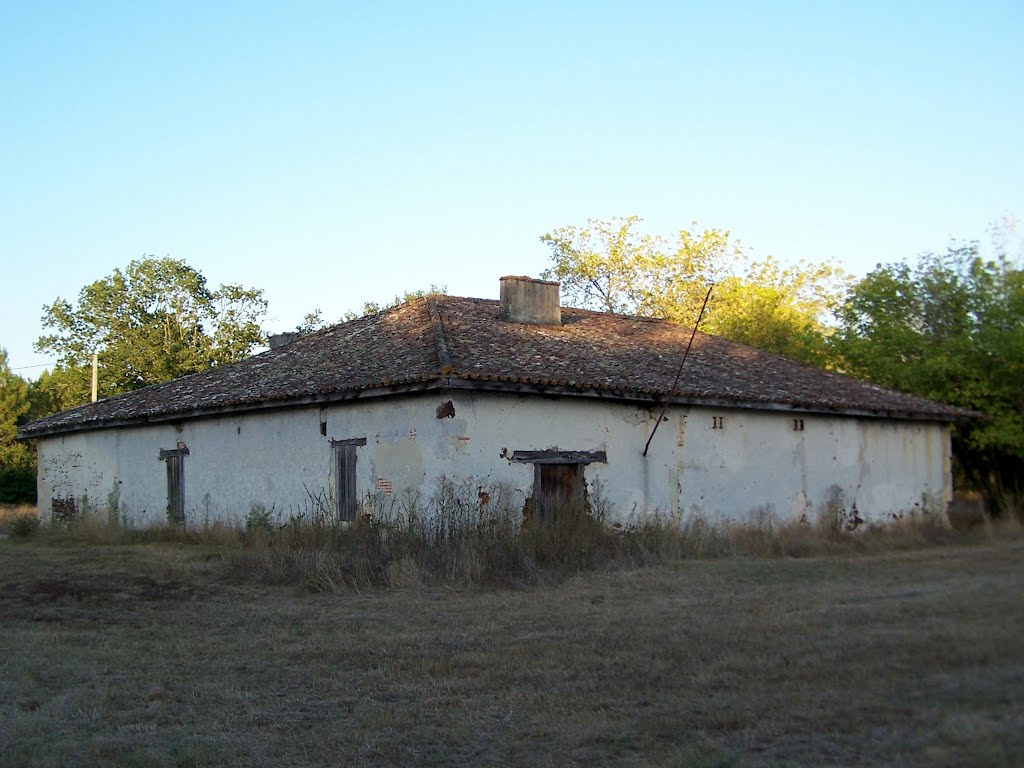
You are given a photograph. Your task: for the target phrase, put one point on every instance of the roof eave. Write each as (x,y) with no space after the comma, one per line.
(652,398)
(171,417)
(475,383)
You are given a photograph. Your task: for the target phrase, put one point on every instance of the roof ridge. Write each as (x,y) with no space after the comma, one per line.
(444,357)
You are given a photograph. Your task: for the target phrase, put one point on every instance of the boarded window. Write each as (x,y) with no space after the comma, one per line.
(559,489)
(345,492)
(557,515)
(175,459)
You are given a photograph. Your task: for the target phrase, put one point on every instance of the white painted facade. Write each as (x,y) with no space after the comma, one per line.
(717,463)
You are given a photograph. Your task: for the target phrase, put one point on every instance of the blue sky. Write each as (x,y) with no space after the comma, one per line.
(332,153)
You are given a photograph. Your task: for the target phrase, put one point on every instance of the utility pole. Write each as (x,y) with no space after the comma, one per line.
(95,374)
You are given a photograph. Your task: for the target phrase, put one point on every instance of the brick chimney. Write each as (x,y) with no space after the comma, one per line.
(525,300)
(280,339)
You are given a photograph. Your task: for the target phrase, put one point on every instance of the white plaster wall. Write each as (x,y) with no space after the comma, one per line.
(758,464)
(107,471)
(755,465)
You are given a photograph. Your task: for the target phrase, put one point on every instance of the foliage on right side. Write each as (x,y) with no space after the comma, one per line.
(950,327)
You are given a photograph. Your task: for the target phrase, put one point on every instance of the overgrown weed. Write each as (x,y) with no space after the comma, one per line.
(463,537)
(18,520)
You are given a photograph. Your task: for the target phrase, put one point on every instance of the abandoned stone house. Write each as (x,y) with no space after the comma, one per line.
(520,396)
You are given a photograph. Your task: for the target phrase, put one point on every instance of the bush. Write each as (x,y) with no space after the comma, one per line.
(259,520)
(17,486)
(23,527)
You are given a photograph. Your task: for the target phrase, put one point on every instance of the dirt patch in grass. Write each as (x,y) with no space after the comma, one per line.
(141,655)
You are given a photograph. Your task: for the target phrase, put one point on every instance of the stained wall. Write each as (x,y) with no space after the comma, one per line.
(717,463)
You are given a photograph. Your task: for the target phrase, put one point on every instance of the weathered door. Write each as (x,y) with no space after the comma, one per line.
(176,489)
(175,460)
(345,480)
(561,490)
(345,473)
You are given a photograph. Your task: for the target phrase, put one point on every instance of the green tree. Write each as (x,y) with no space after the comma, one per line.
(14,407)
(312,321)
(951,328)
(154,321)
(611,266)
(372,307)
(57,390)
(779,309)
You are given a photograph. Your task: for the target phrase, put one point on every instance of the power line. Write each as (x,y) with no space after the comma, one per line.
(23,367)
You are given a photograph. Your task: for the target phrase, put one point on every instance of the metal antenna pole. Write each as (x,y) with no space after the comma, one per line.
(679,372)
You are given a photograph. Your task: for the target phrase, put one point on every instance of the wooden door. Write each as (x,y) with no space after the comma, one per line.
(561,490)
(175,488)
(345,481)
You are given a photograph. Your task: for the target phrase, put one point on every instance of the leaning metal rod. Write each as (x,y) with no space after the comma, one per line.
(679,372)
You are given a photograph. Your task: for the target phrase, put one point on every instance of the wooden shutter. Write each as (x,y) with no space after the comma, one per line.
(175,459)
(345,492)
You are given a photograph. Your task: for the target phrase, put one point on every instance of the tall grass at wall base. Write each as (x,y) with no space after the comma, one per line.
(455,539)
(18,520)
(457,542)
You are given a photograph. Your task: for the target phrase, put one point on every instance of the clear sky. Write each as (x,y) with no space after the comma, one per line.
(332,153)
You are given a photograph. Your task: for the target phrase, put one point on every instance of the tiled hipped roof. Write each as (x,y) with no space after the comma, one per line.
(446,341)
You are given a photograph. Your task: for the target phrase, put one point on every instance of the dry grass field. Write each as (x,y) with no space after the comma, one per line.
(10,514)
(139,655)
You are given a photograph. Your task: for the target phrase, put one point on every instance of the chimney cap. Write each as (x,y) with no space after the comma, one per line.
(530,279)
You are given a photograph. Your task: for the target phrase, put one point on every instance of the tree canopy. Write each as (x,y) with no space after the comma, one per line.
(154,321)
(610,265)
(14,407)
(949,327)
